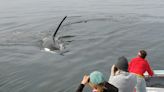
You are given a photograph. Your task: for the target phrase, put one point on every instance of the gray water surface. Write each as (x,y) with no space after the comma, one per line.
(98,33)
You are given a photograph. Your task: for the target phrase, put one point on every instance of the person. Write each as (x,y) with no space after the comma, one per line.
(139,65)
(96,80)
(121,78)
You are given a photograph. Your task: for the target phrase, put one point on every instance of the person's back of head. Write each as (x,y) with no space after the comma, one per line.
(97,77)
(122,63)
(96,81)
(142,54)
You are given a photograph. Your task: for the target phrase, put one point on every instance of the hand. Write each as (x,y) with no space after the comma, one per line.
(113,70)
(85,79)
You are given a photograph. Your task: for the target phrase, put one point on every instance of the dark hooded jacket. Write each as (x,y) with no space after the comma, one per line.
(108,87)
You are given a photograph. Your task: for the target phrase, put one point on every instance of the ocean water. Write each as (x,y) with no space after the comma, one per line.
(95,34)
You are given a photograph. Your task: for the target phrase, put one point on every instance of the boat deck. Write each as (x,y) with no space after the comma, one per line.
(155,83)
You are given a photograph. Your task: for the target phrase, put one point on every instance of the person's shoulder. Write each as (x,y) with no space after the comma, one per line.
(146,61)
(129,75)
(134,58)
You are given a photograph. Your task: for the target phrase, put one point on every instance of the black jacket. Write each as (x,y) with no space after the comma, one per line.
(108,88)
